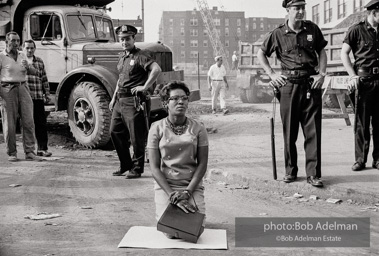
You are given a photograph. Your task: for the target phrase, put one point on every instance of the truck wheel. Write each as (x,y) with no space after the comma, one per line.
(331,101)
(251,95)
(89,116)
(243,96)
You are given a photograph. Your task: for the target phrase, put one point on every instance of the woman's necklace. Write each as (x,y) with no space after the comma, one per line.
(178,129)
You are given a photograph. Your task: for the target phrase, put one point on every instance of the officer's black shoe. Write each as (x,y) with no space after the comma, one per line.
(120,172)
(358,166)
(375,164)
(289,178)
(133,173)
(315,181)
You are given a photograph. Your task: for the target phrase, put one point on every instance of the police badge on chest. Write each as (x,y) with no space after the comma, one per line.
(131,62)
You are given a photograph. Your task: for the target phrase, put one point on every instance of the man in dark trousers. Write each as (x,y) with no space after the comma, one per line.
(138,71)
(16,100)
(362,39)
(299,45)
(39,91)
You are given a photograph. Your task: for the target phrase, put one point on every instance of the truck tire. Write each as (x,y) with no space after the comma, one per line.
(89,116)
(331,101)
(243,96)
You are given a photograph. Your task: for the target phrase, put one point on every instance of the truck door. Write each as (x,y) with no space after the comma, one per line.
(46,29)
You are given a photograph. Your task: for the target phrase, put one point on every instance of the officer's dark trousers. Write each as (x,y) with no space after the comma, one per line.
(295,108)
(367,109)
(128,127)
(40,124)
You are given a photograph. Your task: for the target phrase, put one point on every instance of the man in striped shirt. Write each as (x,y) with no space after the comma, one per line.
(39,91)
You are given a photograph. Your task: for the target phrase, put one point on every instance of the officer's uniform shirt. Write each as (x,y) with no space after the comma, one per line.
(132,68)
(296,51)
(364,43)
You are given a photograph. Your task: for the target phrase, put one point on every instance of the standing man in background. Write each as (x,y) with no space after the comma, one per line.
(218,85)
(362,39)
(234,61)
(39,91)
(16,98)
(299,45)
(138,72)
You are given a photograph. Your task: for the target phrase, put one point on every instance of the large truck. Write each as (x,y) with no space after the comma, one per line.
(77,42)
(253,81)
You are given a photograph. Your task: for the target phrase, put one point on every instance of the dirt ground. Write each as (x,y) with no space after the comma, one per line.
(97,209)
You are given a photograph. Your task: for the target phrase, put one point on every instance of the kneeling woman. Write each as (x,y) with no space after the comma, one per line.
(178,154)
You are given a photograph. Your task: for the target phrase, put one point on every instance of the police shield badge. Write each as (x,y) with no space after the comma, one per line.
(310,38)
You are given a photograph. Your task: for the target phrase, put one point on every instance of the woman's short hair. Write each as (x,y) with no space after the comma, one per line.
(174,85)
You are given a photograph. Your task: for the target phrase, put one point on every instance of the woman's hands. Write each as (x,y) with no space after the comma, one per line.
(180,199)
(186,206)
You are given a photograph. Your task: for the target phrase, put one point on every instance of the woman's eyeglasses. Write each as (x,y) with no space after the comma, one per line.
(177,98)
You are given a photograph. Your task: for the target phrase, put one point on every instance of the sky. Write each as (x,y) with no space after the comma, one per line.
(130,9)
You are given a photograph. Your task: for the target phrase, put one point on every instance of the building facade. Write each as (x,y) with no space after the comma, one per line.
(257,27)
(329,13)
(136,23)
(186,34)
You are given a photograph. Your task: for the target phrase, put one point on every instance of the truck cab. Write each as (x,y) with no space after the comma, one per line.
(77,42)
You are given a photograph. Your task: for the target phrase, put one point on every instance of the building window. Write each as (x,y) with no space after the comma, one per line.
(238,22)
(182,43)
(181,22)
(217,22)
(219,32)
(254,25)
(238,31)
(182,31)
(205,43)
(262,27)
(193,32)
(194,54)
(327,12)
(205,32)
(171,22)
(194,43)
(226,22)
(316,14)
(227,43)
(226,31)
(341,9)
(182,54)
(205,54)
(358,5)
(193,22)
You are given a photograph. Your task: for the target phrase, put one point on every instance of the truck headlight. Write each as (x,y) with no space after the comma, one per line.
(91,60)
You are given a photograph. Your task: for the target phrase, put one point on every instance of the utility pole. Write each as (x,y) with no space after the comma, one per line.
(143,22)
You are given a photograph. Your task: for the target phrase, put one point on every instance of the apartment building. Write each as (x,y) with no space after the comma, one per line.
(257,27)
(186,34)
(136,23)
(329,13)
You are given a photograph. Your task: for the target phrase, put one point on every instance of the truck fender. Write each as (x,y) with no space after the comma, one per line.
(94,73)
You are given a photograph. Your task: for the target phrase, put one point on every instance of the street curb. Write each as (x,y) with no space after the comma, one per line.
(300,186)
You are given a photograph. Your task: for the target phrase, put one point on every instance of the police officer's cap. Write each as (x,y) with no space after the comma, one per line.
(289,3)
(373,4)
(126,30)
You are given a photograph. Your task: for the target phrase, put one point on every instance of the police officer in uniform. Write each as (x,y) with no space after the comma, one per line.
(363,40)
(137,73)
(299,45)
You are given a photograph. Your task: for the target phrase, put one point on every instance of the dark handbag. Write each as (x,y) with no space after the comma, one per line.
(187,226)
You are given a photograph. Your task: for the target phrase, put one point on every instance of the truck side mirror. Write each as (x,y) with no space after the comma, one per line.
(65,42)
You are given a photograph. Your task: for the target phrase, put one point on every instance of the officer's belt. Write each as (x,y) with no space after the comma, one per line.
(368,71)
(299,73)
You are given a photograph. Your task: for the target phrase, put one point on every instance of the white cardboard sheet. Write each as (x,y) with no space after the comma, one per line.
(150,237)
